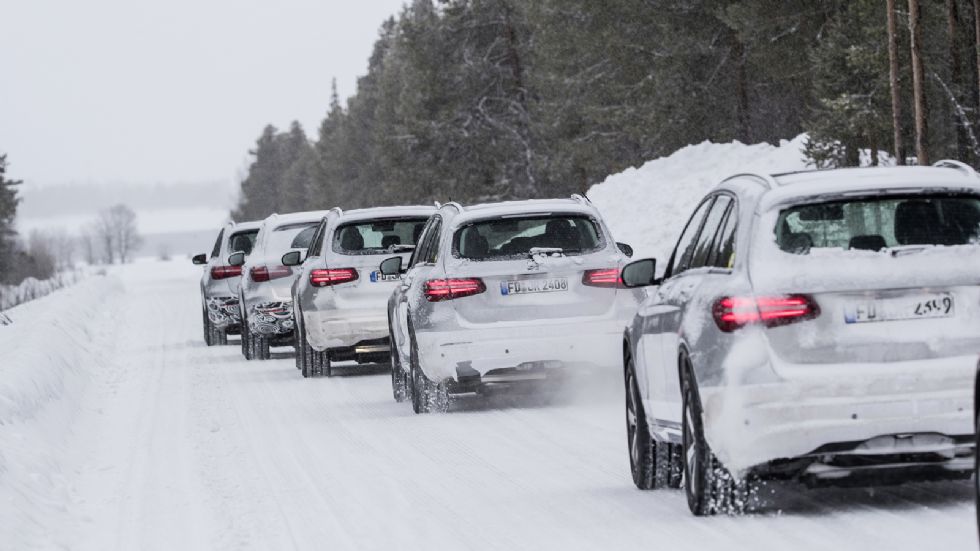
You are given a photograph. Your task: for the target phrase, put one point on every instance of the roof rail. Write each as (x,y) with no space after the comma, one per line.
(453,204)
(338,210)
(766,179)
(581,198)
(438,205)
(958,165)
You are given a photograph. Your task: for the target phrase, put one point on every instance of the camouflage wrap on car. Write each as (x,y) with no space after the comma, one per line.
(223,311)
(271,318)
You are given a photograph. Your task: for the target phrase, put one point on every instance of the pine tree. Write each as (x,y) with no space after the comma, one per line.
(8,212)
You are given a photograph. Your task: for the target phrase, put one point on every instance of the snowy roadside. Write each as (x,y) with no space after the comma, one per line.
(647,207)
(48,355)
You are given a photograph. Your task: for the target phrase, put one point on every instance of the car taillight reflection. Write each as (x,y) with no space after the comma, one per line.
(732,313)
(333,276)
(608,278)
(437,290)
(224,272)
(260,274)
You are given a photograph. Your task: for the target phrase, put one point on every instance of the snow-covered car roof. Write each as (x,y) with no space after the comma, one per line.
(490,210)
(296,217)
(387,212)
(250,225)
(799,185)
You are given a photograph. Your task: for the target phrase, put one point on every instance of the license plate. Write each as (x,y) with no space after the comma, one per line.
(377,276)
(528,286)
(938,305)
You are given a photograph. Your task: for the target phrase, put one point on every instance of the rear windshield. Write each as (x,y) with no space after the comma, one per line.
(291,236)
(242,241)
(377,236)
(876,223)
(508,238)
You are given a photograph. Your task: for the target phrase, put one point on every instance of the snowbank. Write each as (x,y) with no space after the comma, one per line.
(32,288)
(46,356)
(647,207)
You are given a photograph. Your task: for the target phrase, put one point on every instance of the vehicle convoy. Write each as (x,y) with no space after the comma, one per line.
(339,297)
(505,294)
(820,326)
(220,281)
(264,293)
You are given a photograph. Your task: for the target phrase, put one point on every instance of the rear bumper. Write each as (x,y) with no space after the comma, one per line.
(752,425)
(223,311)
(344,328)
(271,318)
(577,345)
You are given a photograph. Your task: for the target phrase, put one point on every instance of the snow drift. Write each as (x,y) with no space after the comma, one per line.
(647,207)
(47,355)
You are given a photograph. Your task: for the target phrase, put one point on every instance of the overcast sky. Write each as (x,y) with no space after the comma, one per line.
(168,90)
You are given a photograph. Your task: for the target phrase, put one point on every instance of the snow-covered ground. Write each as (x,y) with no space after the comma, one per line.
(119,429)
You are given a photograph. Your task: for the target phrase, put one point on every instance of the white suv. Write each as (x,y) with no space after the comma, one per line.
(339,297)
(220,281)
(264,299)
(813,326)
(506,294)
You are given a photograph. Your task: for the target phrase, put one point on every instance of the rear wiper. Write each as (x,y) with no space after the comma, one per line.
(904,250)
(401,248)
(545,251)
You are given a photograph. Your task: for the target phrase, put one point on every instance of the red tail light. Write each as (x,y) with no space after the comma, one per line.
(609,278)
(266,273)
(733,313)
(224,272)
(334,276)
(448,289)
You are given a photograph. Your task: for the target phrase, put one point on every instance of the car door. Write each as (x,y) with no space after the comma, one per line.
(419,266)
(303,292)
(662,320)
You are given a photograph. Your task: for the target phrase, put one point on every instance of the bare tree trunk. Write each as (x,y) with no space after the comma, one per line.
(899,145)
(976,49)
(956,75)
(744,131)
(530,187)
(918,86)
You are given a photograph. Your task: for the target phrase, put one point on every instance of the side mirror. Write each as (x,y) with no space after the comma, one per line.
(391,266)
(200,259)
(626,249)
(236,259)
(641,273)
(292,258)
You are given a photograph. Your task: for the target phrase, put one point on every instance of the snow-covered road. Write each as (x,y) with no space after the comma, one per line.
(178,446)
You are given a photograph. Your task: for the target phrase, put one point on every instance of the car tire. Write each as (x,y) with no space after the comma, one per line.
(246,340)
(399,380)
(709,487)
(299,345)
(218,336)
(260,348)
(208,331)
(427,396)
(640,444)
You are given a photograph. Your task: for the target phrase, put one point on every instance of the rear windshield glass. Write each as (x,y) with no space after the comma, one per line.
(291,236)
(242,241)
(509,238)
(876,223)
(377,236)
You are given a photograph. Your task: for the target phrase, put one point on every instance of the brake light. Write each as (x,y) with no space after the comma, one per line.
(608,278)
(334,276)
(437,290)
(224,272)
(733,313)
(260,274)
